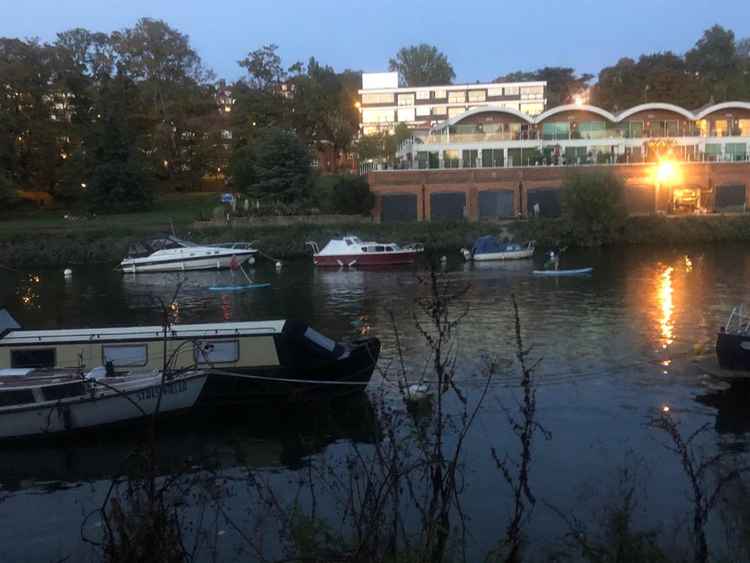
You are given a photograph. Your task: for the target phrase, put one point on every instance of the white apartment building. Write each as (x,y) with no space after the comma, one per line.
(383,103)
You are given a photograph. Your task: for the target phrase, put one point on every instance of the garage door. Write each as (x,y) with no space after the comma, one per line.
(494,204)
(399,208)
(730,197)
(548,200)
(447,206)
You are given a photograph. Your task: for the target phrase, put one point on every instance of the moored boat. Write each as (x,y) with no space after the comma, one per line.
(37,402)
(489,248)
(733,342)
(573,272)
(284,359)
(350,252)
(171,254)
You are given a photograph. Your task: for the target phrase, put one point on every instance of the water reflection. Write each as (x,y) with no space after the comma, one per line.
(666,324)
(257,438)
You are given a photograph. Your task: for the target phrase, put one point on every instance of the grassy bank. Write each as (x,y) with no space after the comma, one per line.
(33,243)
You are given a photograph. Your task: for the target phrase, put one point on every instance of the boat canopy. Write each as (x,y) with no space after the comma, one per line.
(489,244)
(147,247)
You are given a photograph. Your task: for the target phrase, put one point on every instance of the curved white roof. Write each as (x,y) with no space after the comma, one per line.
(651,106)
(655,106)
(484,109)
(574,107)
(722,106)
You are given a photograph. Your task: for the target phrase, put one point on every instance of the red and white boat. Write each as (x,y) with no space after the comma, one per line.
(351,252)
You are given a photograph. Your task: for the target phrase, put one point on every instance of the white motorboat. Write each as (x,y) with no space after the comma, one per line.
(350,251)
(488,248)
(37,402)
(171,254)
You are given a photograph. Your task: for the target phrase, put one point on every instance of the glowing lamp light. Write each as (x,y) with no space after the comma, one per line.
(665,409)
(667,172)
(577,100)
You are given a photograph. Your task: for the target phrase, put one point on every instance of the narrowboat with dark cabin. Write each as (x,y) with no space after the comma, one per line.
(267,360)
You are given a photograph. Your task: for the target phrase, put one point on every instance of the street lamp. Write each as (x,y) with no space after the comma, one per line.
(667,172)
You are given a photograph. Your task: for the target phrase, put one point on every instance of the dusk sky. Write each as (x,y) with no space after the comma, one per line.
(482,39)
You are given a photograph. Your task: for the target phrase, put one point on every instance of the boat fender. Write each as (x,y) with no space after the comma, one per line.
(97,373)
(67,272)
(278,264)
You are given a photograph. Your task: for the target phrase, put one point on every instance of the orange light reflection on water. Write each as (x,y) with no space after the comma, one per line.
(666,324)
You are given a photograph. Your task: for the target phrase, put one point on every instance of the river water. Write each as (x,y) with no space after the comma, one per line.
(612,347)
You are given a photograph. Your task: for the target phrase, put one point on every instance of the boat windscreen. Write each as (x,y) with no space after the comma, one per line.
(7,322)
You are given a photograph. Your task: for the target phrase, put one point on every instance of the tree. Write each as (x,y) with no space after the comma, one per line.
(660,77)
(120,186)
(277,166)
(593,206)
(715,62)
(562,82)
(351,195)
(422,65)
(7,190)
(264,68)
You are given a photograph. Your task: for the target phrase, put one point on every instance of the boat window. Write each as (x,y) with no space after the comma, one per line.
(125,355)
(379,249)
(389,249)
(33,358)
(348,241)
(56,392)
(16,397)
(322,341)
(217,351)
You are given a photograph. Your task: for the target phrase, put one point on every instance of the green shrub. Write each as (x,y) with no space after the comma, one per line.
(8,195)
(120,186)
(593,207)
(351,195)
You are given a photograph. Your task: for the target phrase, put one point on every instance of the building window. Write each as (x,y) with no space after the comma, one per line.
(532,108)
(452,112)
(532,92)
(494,92)
(217,352)
(370,115)
(439,110)
(406,114)
(423,94)
(456,97)
(406,99)
(555,131)
(477,95)
(451,158)
(125,355)
(379,98)
(736,151)
(492,158)
(470,158)
(440,94)
(720,128)
(39,358)
(511,90)
(423,111)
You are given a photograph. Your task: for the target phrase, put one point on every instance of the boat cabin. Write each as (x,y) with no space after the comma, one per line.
(144,248)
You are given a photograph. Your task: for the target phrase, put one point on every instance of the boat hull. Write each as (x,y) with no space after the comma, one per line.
(553,273)
(294,383)
(184,264)
(366,259)
(102,409)
(513,255)
(733,351)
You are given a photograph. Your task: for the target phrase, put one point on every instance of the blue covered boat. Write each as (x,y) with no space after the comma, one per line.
(489,248)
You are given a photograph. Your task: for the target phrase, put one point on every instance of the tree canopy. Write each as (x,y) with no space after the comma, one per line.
(422,65)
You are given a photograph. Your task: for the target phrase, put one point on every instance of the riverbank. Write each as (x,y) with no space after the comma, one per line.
(38,245)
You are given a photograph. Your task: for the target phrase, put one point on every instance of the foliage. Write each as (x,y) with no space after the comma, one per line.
(422,65)
(715,69)
(120,186)
(593,206)
(562,82)
(276,166)
(352,195)
(7,190)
